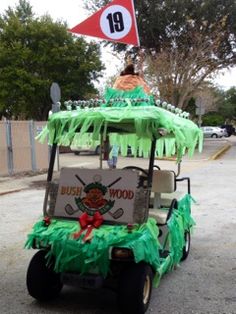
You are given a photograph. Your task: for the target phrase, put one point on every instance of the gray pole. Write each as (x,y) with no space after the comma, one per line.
(200,116)
(9,148)
(200,110)
(55,93)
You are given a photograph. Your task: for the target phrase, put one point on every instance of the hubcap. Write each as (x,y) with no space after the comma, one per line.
(146,289)
(186,242)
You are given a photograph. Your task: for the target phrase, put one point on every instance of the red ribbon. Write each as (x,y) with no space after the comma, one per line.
(88,223)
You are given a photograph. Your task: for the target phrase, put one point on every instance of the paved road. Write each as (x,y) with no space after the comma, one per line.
(204,284)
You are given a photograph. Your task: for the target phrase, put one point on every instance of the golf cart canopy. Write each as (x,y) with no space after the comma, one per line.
(131,119)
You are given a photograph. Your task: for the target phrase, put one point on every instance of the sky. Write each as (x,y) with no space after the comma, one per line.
(72,12)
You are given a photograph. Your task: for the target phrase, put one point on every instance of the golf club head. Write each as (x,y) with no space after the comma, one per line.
(118,213)
(69,209)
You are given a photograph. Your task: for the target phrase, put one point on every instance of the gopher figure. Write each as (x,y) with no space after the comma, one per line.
(129,79)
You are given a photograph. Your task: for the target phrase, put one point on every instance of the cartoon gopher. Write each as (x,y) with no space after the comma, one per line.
(95,195)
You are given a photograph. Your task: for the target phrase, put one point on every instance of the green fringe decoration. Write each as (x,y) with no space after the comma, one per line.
(137,125)
(180,221)
(78,256)
(136,93)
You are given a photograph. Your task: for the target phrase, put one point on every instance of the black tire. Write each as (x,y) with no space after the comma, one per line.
(186,248)
(77,153)
(42,282)
(214,135)
(98,150)
(135,288)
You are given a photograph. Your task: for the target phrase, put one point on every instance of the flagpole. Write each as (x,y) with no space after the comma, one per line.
(135,23)
(141,55)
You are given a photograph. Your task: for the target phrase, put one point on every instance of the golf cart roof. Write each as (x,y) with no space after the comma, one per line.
(130,121)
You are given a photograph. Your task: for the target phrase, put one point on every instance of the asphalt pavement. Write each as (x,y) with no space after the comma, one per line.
(204,284)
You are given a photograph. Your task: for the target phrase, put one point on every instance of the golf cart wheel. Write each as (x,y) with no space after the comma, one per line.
(186,248)
(42,282)
(97,150)
(214,135)
(135,288)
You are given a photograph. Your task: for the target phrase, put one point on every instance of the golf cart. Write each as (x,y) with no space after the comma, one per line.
(116,228)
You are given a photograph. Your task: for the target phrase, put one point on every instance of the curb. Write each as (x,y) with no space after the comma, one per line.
(11,191)
(220,152)
(166,158)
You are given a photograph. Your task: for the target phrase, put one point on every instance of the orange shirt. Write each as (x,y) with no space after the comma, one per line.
(129,82)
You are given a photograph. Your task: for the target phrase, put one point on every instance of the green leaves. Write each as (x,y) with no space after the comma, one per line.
(34,52)
(228,108)
(185,42)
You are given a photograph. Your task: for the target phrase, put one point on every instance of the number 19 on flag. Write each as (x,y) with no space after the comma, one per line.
(115,22)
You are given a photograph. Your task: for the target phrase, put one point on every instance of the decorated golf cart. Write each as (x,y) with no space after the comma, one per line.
(117,228)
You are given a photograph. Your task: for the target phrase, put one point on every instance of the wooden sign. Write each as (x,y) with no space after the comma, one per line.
(110,192)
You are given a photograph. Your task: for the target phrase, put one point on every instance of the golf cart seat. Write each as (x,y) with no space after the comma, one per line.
(164,196)
(163,184)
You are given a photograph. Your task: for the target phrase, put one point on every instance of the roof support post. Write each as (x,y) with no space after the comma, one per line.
(151,162)
(51,162)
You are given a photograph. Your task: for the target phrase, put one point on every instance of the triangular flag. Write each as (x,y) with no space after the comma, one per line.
(114,22)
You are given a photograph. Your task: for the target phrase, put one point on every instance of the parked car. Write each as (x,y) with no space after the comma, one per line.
(64,149)
(213,131)
(225,133)
(86,149)
(229,129)
(92,149)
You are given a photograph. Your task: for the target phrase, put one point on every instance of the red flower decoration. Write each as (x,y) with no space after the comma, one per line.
(47,221)
(130,227)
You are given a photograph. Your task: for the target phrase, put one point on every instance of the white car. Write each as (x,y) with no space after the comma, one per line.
(213,131)
(94,149)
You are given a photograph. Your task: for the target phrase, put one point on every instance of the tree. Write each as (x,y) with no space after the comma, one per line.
(223,108)
(34,52)
(227,108)
(186,41)
(180,72)
(213,119)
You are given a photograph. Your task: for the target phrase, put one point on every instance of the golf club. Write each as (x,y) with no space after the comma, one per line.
(84,184)
(117,214)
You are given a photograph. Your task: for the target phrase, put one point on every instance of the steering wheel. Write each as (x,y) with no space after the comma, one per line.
(137,168)
(142,178)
